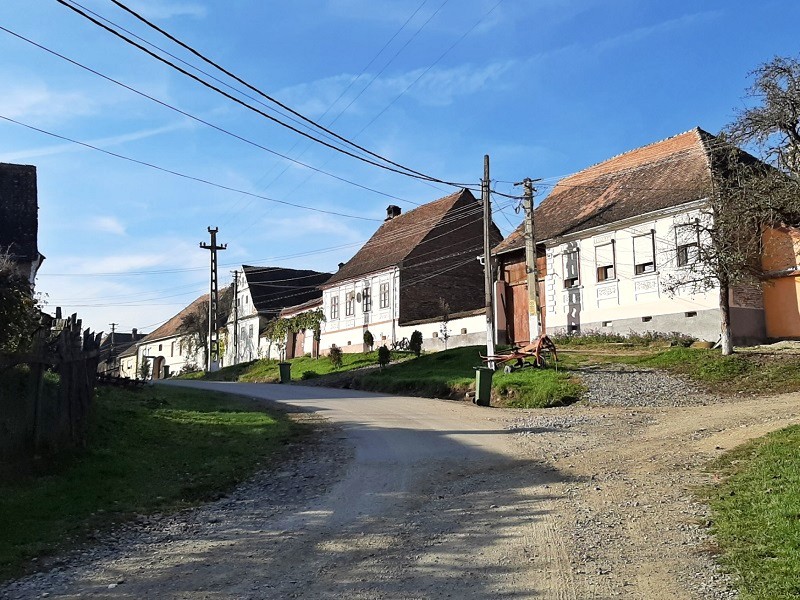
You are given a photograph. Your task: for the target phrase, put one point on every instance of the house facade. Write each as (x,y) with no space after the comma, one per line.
(781,265)
(112,346)
(169,349)
(261,294)
(621,243)
(419,271)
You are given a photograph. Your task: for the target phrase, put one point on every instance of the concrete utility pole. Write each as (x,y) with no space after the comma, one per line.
(212,351)
(487,260)
(534,304)
(236,317)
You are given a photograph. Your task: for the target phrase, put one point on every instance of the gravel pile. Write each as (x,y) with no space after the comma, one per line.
(622,385)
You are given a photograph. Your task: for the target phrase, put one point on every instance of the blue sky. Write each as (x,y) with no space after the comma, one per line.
(545,87)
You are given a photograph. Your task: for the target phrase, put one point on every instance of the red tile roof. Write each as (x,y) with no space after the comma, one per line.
(650,178)
(396,238)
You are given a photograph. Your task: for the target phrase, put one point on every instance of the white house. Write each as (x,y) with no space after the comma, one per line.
(168,350)
(412,267)
(261,294)
(619,235)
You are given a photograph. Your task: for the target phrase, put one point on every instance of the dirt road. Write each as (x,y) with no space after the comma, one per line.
(414,498)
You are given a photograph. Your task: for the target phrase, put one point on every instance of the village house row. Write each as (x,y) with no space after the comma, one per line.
(613,243)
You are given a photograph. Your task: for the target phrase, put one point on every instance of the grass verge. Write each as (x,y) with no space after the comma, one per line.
(744,372)
(266,371)
(451,373)
(756,512)
(148,451)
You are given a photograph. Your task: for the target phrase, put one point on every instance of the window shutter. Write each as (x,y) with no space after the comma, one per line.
(604,255)
(686,234)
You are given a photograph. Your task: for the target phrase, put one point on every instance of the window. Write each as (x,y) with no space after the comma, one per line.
(687,242)
(644,251)
(384,295)
(604,260)
(334,307)
(250,332)
(172,349)
(367,299)
(159,347)
(350,304)
(572,271)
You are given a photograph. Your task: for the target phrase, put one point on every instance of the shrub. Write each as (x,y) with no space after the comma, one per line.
(384,356)
(368,340)
(309,375)
(335,356)
(415,343)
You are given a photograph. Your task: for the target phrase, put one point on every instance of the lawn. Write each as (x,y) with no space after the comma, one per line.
(153,450)
(756,515)
(266,371)
(450,374)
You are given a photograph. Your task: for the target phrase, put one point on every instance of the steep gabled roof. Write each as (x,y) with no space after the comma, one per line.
(657,176)
(172,327)
(396,238)
(274,288)
(19,222)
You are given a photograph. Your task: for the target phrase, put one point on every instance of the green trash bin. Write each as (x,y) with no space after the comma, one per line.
(483,385)
(285,370)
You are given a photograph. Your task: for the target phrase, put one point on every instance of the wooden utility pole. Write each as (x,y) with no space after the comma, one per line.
(212,351)
(487,261)
(534,304)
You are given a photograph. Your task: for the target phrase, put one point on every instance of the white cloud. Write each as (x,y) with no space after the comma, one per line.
(434,87)
(641,33)
(31,99)
(107,225)
(27,154)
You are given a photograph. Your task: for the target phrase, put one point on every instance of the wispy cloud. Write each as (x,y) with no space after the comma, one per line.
(107,225)
(436,87)
(164,9)
(27,154)
(35,99)
(641,33)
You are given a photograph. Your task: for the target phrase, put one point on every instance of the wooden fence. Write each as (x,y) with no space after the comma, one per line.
(45,395)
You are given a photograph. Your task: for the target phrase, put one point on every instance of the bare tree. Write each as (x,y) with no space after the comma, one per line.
(194,329)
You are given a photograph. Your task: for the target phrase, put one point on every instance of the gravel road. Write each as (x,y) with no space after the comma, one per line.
(409,498)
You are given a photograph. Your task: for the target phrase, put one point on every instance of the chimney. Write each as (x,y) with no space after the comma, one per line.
(340,266)
(392,211)
(133,333)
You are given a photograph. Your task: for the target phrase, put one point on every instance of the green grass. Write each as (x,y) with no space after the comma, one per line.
(450,374)
(741,372)
(149,451)
(266,371)
(756,512)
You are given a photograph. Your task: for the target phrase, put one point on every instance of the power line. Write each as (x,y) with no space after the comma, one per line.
(196,118)
(183,175)
(397,168)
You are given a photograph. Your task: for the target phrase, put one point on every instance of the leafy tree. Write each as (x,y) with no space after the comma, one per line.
(144,370)
(384,356)
(369,340)
(335,356)
(194,329)
(276,332)
(19,312)
(444,327)
(415,343)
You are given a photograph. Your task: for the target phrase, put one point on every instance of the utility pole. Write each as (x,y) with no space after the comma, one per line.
(112,358)
(236,317)
(487,261)
(534,304)
(212,351)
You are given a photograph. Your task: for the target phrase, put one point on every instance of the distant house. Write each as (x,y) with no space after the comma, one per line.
(19,217)
(261,294)
(169,349)
(415,264)
(111,346)
(614,236)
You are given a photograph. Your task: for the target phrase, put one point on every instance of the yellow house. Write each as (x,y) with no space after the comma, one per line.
(781,263)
